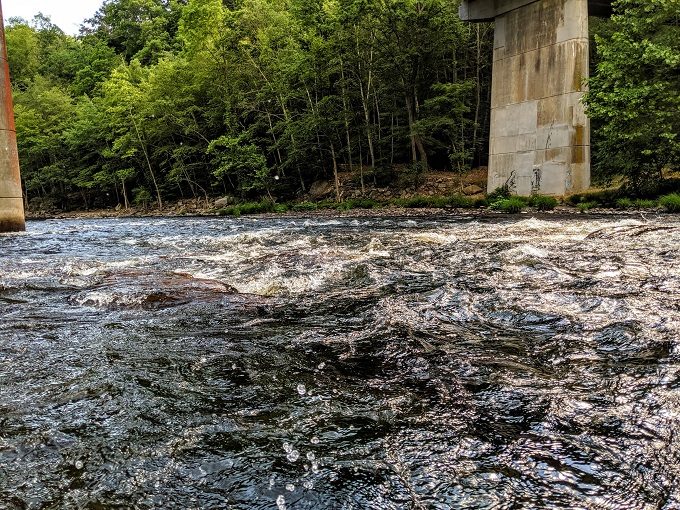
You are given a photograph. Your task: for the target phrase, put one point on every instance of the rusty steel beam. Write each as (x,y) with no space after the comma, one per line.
(12,217)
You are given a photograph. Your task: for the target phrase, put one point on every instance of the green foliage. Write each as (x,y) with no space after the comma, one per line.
(542,202)
(642,203)
(435,202)
(141,29)
(142,196)
(264,206)
(499,193)
(606,197)
(358,203)
(461,202)
(512,205)
(412,176)
(305,206)
(670,202)
(587,206)
(638,203)
(192,98)
(634,98)
(624,203)
(239,161)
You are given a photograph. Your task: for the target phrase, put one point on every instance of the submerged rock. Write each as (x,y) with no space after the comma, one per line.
(153,290)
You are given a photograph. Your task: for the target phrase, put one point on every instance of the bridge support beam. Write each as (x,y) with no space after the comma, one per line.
(540,135)
(11,198)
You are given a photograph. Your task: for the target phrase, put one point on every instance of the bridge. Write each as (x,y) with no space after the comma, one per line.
(11,197)
(540,135)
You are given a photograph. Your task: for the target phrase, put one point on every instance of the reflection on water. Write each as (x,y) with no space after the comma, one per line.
(381,363)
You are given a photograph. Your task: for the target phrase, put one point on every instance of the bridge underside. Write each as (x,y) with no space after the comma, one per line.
(540,135)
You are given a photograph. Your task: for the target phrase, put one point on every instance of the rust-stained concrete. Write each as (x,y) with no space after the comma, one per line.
(11,199)
(540,135)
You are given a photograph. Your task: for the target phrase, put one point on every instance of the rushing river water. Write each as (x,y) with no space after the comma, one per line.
(370,363)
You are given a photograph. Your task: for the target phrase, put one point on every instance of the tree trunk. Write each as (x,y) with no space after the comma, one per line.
(346,118)
(412,135)
(148,162)
(335,174)
(125,197)
(417,147)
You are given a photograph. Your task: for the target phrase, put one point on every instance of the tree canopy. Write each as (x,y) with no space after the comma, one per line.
(162,99)
(157,100)
(634,96)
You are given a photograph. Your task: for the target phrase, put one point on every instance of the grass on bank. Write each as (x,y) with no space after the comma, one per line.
(670,202)
(609,199)
(434,202)
(665,194)
(509,204)
(498,201)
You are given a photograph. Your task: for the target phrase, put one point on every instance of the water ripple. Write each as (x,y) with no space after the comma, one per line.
(373,363)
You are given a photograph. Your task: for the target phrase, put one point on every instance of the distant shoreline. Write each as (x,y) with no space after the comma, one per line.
(561,211)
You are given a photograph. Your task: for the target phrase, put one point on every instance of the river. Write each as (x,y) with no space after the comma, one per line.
(353,363)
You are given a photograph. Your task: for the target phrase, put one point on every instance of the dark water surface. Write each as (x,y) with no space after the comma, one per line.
(373,363)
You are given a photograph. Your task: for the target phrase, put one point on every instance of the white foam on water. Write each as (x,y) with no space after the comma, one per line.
(535,224)
(524,253)
(436,238)
(321,223)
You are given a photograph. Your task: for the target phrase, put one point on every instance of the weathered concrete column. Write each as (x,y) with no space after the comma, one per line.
(540,135)
(11,198)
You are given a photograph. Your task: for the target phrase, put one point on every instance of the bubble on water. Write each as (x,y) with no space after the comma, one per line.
(315,440)
(290,487)
(281,502)
(287,447)
(293,456)
(272,482)
(79,464)
(310,456)
(301,389)
(321,366)
(315,467)
(308,485)
(233,366)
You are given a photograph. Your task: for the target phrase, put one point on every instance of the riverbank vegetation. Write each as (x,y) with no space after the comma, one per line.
(164,100)
(634,96)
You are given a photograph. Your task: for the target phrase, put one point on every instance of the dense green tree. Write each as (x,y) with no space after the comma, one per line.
(635,94)
(164,99)
(43,114)
(141,29)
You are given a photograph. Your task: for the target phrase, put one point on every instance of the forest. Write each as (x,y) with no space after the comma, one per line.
(159,100)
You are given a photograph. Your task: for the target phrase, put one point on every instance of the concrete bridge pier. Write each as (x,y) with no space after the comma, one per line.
(540,135)
(11,198)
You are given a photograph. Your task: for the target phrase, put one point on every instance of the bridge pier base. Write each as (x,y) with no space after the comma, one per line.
(540,135)
(11,199)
